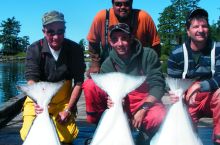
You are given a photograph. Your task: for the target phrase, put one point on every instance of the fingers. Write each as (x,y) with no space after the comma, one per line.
(136,124)
(110,103)
(173,97)
(38,109)
(192,90)
(63,117)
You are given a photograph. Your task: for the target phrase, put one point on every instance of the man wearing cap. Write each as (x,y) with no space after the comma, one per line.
(199,59)
(52,59)
(143,28)
(142,105)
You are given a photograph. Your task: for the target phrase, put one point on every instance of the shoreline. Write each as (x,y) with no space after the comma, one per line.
(11,59)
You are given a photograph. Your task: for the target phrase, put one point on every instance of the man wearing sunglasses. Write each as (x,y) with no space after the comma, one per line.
(142,105)
(52,59)
(141,23)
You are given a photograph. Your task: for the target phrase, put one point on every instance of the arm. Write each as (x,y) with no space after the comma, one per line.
(65,114)
(94,52)
(155,81)
(32,63)
(77,90)
(154,76)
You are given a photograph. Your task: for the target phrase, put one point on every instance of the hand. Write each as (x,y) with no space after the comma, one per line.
(192,93)
(38,109)
(138,118)
(110,103)
(63,117)
(92,69)
(173,98)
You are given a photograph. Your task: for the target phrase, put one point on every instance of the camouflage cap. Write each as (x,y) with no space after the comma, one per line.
(53,16)
(119,27)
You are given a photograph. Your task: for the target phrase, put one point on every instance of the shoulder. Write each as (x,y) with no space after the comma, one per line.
(70,42)
(71,45)
(101,14)
(176,54)
(142,14)
(35,45)
(147,51)
(217,48)
(177,50)
(217,44)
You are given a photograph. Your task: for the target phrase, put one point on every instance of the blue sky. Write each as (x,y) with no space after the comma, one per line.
(80,13)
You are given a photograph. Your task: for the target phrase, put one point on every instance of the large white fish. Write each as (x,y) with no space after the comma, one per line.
(177,128)
(113,128)
(42,131)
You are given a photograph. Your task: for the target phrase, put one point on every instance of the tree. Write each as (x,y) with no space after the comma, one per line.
(172,22)
(12,44)
(171,27)
(215,30)
(83,43)
(166,28)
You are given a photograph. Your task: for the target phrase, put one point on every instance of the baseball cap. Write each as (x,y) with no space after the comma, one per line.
(197,12)
(52,16)
(119,27)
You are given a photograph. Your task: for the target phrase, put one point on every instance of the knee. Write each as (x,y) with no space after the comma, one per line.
(88,84)
(27,122)
(155,117)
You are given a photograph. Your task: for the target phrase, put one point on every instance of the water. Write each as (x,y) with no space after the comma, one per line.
(11,74)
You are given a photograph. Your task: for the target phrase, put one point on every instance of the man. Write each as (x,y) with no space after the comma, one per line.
(201,57)
(55,58)
(142,105)
(141,23)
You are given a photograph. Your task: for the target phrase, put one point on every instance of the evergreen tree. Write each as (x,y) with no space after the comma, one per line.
(82,43)
(172,22)
(171,26)
(12,44)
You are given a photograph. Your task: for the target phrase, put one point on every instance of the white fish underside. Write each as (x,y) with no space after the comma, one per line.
(42,131)
(113,128)
(177,128)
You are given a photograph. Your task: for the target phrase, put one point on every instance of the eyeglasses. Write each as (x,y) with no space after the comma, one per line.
(119,4)
(51,32)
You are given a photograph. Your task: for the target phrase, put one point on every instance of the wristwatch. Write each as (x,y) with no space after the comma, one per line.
(146,105)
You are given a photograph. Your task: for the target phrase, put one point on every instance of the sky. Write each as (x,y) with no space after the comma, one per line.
(80,13)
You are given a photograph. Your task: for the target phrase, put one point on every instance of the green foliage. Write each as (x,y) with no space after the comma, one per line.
(215,30)
(21,54)
(171,27)
(164,59)
(82,43)
(12,44)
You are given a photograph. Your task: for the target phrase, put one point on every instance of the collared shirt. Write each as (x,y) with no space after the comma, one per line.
(55,53)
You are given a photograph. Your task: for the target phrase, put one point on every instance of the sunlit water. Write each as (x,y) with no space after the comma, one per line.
(11,75)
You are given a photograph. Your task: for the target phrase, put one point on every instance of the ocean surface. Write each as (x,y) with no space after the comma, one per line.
(11,75)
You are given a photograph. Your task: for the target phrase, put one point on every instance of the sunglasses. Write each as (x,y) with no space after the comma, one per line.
(51,32)
(119,4)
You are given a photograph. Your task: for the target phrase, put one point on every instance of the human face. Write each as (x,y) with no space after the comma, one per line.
(54,33)
(120,42)
(122,9)
(198,31)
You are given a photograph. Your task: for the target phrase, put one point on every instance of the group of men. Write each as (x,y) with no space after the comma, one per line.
(123,39)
